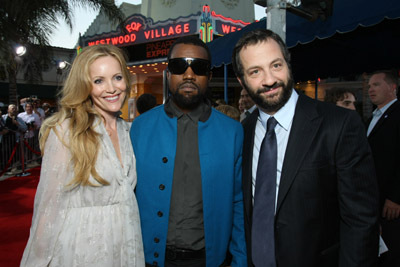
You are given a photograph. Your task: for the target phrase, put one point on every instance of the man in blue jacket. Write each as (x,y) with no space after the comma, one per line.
(188,160)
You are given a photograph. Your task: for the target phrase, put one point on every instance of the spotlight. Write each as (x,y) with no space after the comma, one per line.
(63,64)
(20,50)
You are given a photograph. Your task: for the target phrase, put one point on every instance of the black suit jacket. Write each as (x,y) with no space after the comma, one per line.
(327,209)
(384,140)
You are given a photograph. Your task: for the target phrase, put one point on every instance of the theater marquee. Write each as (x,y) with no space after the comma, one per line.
(154,39)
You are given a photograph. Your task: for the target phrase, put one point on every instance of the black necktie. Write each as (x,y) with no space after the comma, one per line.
(262,232)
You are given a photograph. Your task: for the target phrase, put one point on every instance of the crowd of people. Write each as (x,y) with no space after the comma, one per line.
(19,123)
(279,179)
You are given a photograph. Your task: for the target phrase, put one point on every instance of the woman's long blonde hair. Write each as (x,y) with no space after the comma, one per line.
(76,105)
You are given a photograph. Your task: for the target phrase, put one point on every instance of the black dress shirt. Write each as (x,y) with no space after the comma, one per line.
(186,228)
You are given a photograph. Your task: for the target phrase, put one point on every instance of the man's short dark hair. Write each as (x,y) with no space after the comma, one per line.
(252,38)
(391,76)
(145,102)
(336,94)
(193,40)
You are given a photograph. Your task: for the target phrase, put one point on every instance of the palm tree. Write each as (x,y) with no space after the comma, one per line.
(31,23)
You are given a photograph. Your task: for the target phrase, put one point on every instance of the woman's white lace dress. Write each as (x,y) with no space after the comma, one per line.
(86,226)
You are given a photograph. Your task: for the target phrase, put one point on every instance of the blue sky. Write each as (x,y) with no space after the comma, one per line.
(63,37)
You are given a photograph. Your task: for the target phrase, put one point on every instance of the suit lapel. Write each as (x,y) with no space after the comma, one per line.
(306,123)
(249,125)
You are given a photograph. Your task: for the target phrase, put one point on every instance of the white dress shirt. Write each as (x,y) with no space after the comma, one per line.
(247,112)
(284,117)
(377,114)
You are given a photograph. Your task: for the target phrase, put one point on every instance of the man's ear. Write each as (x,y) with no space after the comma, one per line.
(210,76)
(394,88)
(240,81)
(168,74)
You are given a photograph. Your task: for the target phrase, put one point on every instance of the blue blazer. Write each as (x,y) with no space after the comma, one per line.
(220,139)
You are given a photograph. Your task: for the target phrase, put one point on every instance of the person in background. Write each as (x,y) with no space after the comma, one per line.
(145,102)
(384,139)
(47,110)
(32,120)
(22,102)
(38,110)
(14,124)
(15,130)
(248,104)
(229,111)
(188,159)
(240,105)
(85,211)
(341,97)
(220,102)
(309,185)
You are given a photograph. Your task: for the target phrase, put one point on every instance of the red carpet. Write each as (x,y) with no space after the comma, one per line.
(16,207)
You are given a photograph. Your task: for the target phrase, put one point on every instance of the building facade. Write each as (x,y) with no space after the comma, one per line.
(151,28)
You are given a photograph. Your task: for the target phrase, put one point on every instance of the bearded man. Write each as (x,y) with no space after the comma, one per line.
(309,185)
(188,161)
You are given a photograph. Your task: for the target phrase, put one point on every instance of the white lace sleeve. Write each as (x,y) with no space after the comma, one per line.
(51,202)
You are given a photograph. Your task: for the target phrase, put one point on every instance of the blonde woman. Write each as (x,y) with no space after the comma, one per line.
(85,211)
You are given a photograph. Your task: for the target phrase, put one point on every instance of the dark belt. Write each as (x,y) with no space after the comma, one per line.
(173,253)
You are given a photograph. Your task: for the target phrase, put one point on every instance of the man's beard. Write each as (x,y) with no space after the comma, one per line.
(270,105)
(188,102)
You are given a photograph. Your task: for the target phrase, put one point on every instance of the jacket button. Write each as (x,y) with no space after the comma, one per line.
(161,187)
(156,240)
(155,254)
(155,263)
(165,159)
(160,214)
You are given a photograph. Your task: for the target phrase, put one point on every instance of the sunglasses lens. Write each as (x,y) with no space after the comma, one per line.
(177,65)
(200,66)
(180,65)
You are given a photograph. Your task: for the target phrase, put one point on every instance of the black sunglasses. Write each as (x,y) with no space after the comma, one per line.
(198,65)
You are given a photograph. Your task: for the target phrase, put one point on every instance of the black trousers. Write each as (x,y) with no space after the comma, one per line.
(391,236)
(181,263)
(191,263)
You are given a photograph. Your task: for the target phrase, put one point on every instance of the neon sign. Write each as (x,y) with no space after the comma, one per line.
(139,29)
(158,49)
(150,50)
(169,31)
(148,35)
(206,29)
(224,25)
(228,28)
(229,19)
(137,32)
(133,26)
